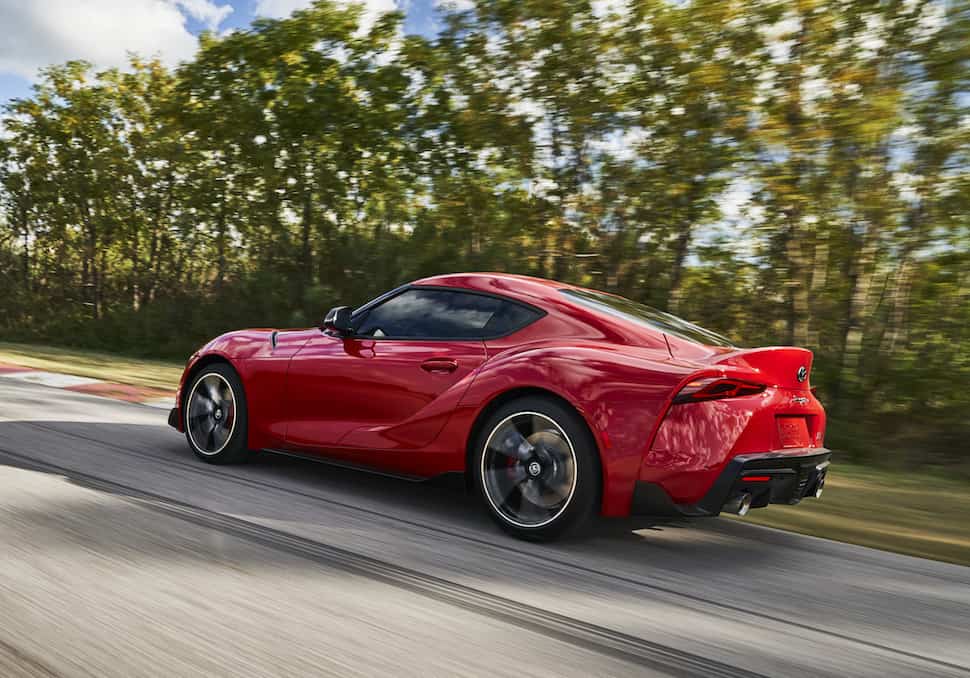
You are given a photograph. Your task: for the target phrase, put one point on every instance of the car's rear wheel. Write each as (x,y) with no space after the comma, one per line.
(537,468)
(215,415)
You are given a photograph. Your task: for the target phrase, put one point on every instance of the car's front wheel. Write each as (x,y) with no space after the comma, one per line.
(215,415)
(536,466)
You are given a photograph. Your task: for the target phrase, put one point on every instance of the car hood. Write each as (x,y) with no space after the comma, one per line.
(242,344)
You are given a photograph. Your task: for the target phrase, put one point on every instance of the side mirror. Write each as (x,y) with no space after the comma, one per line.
(337,321)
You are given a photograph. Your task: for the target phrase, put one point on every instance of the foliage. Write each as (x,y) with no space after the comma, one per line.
(784,172)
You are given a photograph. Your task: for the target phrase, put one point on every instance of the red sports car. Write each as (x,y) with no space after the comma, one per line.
(554,401)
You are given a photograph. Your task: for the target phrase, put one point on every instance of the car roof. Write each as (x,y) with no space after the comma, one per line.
(521,287)
(566,318)
(546,294)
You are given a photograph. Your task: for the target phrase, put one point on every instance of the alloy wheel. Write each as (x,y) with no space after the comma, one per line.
(211,414)
(529,469)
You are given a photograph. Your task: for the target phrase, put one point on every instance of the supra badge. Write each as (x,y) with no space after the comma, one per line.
(802,373)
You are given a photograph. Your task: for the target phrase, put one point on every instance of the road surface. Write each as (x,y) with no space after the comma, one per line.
(122,555)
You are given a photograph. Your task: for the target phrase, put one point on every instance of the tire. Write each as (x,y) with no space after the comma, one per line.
(215,415)
(536,467)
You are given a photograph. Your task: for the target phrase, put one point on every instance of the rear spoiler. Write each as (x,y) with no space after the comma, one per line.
(783,366)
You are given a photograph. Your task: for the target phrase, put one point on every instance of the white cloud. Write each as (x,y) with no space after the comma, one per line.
(277,9)
(44,32)
(206,12)
(455,5)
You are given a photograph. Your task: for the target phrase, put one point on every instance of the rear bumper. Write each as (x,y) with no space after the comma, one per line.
(769,477)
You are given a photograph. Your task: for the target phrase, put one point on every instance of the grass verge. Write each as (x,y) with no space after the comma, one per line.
(919,514)
(83,363)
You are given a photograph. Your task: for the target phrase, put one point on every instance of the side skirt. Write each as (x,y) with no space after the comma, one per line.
(455,478)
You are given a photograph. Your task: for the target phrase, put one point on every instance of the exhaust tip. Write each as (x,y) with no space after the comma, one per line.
(739,504)
(819,487)
(822,470)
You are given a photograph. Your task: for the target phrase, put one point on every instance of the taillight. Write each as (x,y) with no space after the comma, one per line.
(715,388)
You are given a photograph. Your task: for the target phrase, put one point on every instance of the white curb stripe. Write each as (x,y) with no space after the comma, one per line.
(161,403)
(50,379)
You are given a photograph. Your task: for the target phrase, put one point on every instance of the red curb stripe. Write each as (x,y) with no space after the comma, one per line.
(127,392)
(7,368)
(105,389)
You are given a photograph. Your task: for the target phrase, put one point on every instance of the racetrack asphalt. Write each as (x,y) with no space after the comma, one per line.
(122,555)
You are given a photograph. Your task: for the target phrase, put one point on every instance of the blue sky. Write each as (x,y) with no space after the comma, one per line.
(41,32)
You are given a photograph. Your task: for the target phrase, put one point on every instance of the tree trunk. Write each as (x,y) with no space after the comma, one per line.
(306,226)
(221,241)
(861,269)
(556,268)
(903,282)
(899,304)
(800,316)
(682,244)
(134,287)
(89,264)
(162,211)
(800,172)
(820,265)
(677,266)
(25,230)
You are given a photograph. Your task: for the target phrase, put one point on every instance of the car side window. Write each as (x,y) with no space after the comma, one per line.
(442,314)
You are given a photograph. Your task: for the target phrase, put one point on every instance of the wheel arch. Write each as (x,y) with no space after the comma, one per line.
(199,365)
(205,361)
(504,397)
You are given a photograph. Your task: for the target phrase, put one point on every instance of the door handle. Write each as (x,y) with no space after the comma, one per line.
(439,365)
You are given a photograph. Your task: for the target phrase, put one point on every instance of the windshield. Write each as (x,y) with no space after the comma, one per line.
(645,315)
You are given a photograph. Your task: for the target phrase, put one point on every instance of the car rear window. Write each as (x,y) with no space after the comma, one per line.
(510,317)
(613,305)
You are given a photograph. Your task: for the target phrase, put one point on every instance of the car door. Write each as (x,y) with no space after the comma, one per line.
(393,384)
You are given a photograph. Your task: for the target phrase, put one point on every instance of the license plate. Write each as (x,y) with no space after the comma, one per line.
(793,431)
